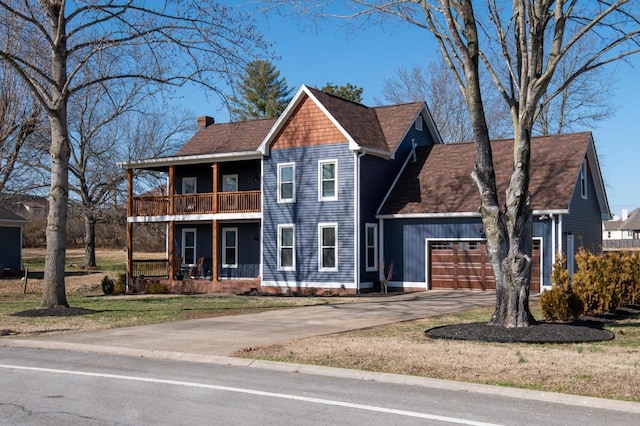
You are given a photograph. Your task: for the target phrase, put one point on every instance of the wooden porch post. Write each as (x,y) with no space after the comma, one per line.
(171,189)
(129,253)
(214,250)
(172,254)
(129,226)
(215,187)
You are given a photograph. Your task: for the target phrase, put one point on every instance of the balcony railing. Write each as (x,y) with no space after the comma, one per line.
(204,203)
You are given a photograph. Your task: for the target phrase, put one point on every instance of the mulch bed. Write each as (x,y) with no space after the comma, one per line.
(543,332)
(54,312)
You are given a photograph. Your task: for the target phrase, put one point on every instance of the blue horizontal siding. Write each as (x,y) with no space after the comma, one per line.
(404,241)
(307,212)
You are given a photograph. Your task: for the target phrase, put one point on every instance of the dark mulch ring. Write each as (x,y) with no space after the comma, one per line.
(54,312)
(543,332)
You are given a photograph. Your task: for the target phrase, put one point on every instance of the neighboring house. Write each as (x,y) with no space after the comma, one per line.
(328,196)
(622,233)
(11,248)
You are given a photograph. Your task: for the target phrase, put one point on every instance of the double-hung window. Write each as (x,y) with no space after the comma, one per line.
(286,248)
(371,235)
(229,247)
(189,246)
(328,180)
(286,183)
(328,246)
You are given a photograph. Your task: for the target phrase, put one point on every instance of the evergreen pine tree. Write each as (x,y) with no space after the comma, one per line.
(347,91)
(261,93)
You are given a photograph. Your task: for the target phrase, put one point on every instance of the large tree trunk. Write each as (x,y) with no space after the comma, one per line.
(508,230)
(89,241)
(53,291)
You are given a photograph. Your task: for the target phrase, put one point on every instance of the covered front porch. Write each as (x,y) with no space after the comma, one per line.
(219,256)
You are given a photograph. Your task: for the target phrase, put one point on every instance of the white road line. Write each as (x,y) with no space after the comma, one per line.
(255,392)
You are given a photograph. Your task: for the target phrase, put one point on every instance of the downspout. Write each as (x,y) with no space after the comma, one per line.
(356,218)
(560,234)
(380,250)
(553,239)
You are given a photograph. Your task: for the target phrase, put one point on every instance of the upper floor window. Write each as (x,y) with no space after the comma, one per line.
(583,179)
(328,180)
(286,183)
(328,246)
(229,183)
(418,124)
(372,246)
(286,248)
(229,247)
(189,185)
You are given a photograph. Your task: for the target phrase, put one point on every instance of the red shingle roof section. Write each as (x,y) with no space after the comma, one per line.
(440,180)
(227,138)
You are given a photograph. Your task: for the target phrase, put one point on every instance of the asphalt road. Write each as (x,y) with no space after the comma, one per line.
(70,388)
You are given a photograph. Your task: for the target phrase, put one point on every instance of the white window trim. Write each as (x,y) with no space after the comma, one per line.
(293,257)
(184,245)
(335,180)
(583,180)
(193,179)
(293,192)
(373,226)
(321,226)
(224,248)
(224,182)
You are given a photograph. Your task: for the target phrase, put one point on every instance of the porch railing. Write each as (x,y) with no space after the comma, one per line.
(203,203)
(156,268)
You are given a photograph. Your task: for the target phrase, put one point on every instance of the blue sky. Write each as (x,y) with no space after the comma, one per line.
(366,57)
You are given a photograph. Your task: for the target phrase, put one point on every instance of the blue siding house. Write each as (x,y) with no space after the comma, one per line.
(335,197)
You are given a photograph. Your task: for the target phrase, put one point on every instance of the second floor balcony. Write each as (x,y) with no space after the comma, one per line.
(194,204)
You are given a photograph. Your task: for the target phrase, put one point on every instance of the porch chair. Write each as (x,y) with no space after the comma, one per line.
(177,267)
(197,271)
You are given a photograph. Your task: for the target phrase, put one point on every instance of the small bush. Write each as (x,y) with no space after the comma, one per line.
(561,303)
(157,288)
(608,281)
(107,285)
(120,286)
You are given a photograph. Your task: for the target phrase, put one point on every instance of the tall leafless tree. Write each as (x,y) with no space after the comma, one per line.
(102,117)
(21,121)
(531,38)
(169,42)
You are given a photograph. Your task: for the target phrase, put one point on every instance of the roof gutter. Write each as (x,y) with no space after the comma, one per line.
(190,159)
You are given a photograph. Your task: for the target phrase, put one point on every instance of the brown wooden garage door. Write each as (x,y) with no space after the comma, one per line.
(465,265)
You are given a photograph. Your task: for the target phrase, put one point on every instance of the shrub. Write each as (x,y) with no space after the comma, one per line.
(157,288)
(607,282)
(561,303)
(107,285)
(120,286)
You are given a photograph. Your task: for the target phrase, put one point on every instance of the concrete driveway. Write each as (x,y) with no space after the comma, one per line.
(221,336)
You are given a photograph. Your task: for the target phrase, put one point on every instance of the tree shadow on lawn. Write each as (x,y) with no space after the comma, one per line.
(586,329)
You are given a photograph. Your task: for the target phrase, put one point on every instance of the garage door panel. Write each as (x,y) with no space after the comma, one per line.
(465,265)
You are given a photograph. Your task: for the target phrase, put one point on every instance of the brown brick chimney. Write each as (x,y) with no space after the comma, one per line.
(205,121)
